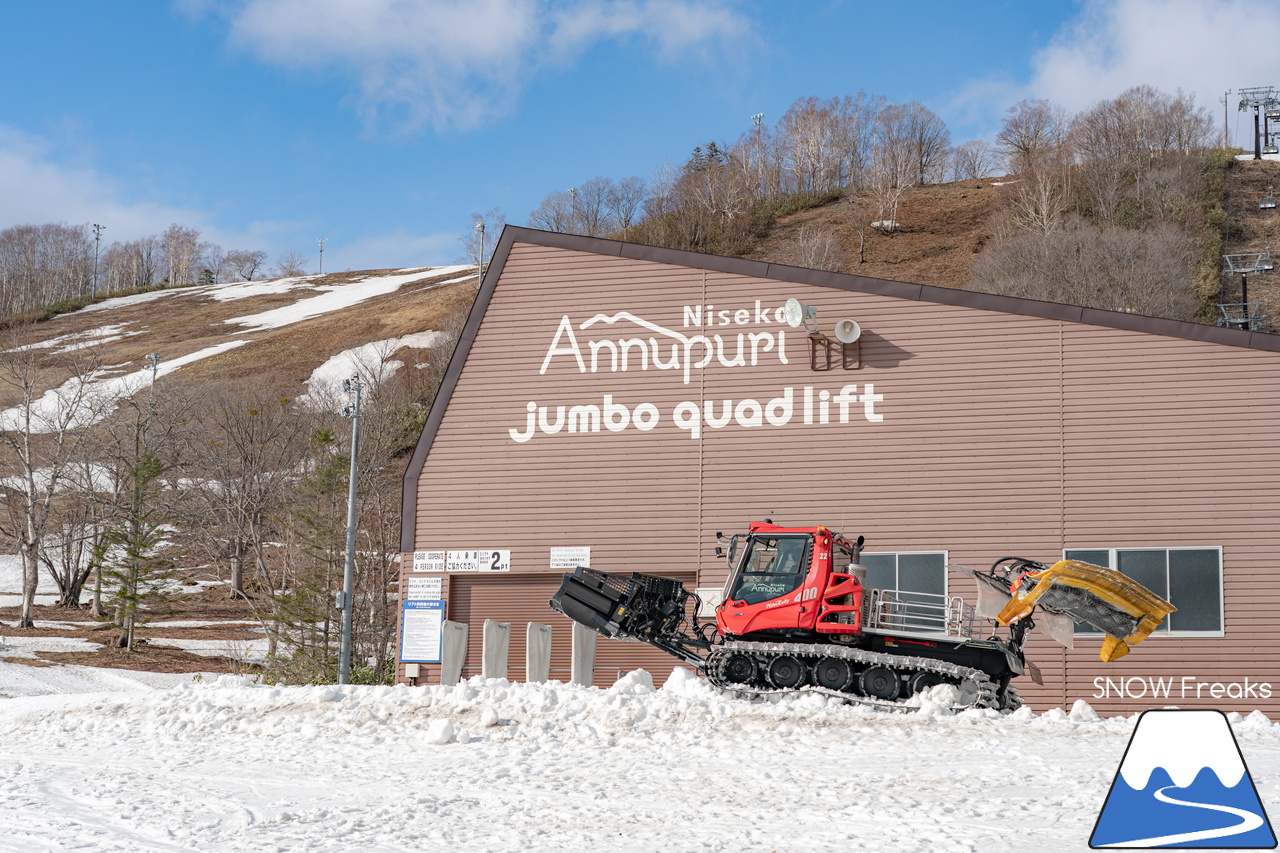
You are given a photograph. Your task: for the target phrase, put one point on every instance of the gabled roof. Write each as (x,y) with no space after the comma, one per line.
(778,272)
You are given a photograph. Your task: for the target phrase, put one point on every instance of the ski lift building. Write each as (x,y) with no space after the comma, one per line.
(618,405)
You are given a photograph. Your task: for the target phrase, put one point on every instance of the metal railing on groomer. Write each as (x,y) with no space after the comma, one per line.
(899,611)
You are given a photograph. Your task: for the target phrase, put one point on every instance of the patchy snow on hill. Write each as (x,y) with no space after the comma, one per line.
(83,401)
(335,297)
(372,362)
(489,765)
(63,344)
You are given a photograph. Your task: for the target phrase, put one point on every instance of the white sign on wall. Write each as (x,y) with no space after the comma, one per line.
(424,589)
(571,557)
(421,623)
(481,560)
(428,561)
(497,560)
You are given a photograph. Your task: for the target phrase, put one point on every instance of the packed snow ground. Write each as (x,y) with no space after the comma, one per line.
(226,765)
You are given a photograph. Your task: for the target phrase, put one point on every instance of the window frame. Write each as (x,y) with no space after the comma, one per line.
(1164,630)
(946,562)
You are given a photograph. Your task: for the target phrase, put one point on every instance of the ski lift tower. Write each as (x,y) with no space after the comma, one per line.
(1245,314)
(1265,103)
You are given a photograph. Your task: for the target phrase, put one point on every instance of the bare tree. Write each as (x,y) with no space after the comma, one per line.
(244,264)
(554,213)
(40,264)
(289,264)
(625,200)
(1116,269)
(1031,130)
(40,439)
(589,204)
(493,220)
(244,447)
(815,247)
(929,142)
(974,159)
(863,207)
(892,163)
(181,251)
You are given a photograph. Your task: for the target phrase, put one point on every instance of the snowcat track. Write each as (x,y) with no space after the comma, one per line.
(984,691)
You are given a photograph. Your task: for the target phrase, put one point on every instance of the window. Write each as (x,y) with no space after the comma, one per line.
(1188,578)
(908,571)
(772,567)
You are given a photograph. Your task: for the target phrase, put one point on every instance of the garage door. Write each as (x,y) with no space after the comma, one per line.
(521,599)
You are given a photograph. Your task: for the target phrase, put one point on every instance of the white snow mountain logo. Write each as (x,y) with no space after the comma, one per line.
(1183,783)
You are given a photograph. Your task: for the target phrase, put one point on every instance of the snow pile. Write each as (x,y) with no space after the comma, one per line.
(227,765)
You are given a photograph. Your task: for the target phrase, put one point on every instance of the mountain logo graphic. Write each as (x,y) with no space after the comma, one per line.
(1183,783)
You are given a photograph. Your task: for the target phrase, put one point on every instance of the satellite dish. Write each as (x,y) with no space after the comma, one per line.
(793,312)
(847,331)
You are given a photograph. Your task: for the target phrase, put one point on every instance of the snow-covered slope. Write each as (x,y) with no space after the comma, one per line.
(287,328)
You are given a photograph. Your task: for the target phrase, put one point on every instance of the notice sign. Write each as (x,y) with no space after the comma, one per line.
(483,560)
(424,589)
(571,557)
(428,561)
(420,627)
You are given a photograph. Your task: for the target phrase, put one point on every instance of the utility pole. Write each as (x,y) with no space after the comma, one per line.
(97,238)
(354,387)
(480,256)
(153,364)
(322,241)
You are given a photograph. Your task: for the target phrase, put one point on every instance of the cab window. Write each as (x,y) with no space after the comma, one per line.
(772,567)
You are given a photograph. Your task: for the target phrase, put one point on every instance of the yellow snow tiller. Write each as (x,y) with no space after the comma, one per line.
(1125,610)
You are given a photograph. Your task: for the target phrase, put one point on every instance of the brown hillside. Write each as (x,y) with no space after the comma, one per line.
(177,323)
(942,228)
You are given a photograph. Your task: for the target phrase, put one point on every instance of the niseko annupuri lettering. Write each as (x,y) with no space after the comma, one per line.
(650,346)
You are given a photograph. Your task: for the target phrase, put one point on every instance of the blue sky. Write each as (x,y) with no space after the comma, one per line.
(383,124)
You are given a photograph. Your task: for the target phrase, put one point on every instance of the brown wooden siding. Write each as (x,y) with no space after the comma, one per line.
(1002,434)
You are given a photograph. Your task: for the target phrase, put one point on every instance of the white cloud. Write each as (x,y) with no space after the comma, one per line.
(1188,44)
(455,64)
(36,187)
(1112,45)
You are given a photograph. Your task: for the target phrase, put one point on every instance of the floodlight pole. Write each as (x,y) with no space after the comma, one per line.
(153,364)
(322,241)
(351,386)
(97,239)
(480,256)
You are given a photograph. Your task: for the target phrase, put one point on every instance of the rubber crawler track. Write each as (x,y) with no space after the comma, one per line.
(972,682)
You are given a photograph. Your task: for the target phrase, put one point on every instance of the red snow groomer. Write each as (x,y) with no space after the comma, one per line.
(797,614)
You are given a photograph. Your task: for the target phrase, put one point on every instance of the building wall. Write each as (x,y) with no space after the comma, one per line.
(978,432)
